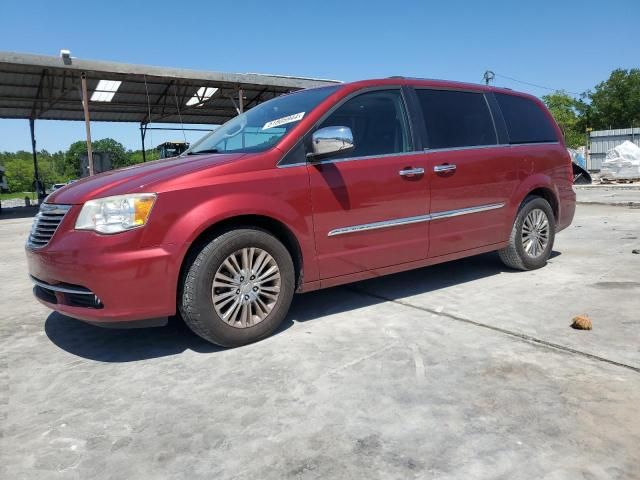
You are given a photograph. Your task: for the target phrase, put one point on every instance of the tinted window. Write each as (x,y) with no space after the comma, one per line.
(456,119)
(526,121)
(378,122)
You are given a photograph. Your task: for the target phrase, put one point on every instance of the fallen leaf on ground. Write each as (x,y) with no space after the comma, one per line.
(582,322)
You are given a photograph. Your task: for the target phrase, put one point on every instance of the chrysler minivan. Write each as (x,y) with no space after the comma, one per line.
(309,190)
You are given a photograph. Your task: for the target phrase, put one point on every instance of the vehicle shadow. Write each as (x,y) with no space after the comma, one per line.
(317,304)
(123,345)
(112,345)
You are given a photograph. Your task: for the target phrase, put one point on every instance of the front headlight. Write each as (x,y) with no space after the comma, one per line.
(116,214)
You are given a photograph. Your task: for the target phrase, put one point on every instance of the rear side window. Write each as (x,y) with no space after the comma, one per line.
(526,121)
(456,119)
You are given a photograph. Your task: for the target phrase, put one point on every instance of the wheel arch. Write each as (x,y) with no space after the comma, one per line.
(548,195)
(269,224)
(538,185)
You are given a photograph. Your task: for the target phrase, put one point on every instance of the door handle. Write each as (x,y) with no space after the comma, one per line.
(444,168)
(411,171)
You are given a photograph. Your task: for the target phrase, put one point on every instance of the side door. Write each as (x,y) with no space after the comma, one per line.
(370,205)
(472,174)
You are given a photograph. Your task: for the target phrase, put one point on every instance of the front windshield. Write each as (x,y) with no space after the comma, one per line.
(263,126)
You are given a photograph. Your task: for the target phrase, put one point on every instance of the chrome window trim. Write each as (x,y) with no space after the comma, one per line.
(417,219)
(416,152)
(368,157)
(533,143)
(55,288)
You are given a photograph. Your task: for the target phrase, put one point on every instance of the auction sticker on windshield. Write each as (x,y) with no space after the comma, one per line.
(284,120)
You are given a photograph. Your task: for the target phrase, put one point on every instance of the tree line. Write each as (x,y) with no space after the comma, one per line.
(614,103)
(62,166)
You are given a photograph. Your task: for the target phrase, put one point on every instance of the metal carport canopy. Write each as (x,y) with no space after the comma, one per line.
(47,87)
(36,87)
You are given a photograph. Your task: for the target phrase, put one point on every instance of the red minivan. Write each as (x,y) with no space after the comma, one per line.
(309,190)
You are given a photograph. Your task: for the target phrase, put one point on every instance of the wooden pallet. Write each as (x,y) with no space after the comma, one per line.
(619,180)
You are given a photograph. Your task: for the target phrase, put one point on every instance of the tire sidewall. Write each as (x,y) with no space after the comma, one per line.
(529,262)
(216,329)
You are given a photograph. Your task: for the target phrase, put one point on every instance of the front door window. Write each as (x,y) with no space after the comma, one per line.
(378,121)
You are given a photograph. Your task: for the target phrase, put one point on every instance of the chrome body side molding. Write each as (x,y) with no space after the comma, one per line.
(418,219)
(377,225)
(466,211)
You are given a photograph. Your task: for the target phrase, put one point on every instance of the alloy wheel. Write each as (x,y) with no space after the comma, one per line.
(535,233)
(246,287)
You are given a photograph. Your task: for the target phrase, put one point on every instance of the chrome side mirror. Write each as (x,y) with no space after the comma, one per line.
(329,140)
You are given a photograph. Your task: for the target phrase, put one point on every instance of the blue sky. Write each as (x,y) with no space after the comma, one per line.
(568,44)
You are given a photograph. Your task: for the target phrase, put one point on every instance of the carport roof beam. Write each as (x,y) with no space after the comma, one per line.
(48,87)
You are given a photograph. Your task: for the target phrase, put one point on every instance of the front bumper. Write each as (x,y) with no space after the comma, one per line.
(105,279)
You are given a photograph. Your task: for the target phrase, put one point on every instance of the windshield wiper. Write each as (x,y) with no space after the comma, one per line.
(210,150)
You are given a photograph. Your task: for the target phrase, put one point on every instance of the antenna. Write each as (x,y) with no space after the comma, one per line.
(488,76)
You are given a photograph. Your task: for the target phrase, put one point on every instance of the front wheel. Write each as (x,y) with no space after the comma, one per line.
(532,236)
(238,288)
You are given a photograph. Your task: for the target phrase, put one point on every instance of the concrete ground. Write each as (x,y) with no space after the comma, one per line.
(458,371)
(609,194)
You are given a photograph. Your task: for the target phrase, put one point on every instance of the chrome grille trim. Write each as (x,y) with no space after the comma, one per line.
(45,224)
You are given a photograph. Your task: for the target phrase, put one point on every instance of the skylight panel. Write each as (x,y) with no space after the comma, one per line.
(105,90)
(202,95)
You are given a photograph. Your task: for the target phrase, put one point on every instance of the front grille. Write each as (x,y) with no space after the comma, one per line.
(46,223)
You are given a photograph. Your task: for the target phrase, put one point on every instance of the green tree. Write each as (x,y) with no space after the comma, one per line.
(615,103)
(566,110)
(73,164)
(119,157)
(135,156)
(19,170)
(77,150)
(19,175)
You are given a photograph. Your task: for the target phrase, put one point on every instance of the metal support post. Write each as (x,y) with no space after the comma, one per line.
(39,187)
(143,133)
(87,122)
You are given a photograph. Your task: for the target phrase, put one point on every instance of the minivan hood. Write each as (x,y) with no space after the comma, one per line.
(137,178)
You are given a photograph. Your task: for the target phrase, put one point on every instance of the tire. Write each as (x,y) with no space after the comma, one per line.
(206,309)
(519,254)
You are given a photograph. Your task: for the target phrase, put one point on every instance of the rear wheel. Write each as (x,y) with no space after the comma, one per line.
(238,288)
(532,236)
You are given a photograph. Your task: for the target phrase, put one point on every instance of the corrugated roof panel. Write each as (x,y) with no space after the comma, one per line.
(50,88)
